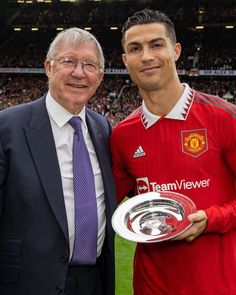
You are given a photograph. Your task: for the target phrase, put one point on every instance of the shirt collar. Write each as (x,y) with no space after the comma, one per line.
(178,112)
(59,114)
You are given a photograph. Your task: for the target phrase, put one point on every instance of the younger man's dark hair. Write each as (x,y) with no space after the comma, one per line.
(148,16)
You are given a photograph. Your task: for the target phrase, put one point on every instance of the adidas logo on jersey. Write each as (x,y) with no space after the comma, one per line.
(139,152)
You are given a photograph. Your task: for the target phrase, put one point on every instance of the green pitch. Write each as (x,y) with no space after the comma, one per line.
(124,266)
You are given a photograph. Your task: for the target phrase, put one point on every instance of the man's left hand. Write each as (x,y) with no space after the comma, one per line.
(199,220)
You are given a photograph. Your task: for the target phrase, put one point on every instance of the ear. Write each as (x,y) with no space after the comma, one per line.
(101,75)
(178,50)
(47,67)
(124,58)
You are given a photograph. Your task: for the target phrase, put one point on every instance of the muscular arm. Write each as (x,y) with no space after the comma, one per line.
(218,219)
(221,219)
(124,183)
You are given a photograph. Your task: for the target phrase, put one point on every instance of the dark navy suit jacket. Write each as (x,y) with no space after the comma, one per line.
(34,243)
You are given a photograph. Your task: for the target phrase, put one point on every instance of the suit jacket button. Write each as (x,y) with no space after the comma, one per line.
(64,259)
(59,290)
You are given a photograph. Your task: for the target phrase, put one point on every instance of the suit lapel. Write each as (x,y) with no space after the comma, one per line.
(102,152)
(41,143)
(98,141)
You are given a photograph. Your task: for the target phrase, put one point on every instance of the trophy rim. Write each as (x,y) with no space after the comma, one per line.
(140,218)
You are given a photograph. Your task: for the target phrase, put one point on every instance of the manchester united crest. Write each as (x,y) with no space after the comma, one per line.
(194,142)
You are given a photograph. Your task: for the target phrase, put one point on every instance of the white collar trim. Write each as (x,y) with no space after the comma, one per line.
(178,112)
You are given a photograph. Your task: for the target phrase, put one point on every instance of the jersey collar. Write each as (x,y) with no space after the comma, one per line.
(178,112)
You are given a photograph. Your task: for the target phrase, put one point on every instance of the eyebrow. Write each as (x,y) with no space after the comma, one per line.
(149,42)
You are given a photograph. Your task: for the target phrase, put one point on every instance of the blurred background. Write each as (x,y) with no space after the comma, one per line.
(205,28)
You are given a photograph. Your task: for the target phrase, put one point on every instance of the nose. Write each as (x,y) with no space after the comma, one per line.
(79,70)
(147,54)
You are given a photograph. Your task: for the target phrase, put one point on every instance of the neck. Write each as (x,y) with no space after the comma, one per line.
(160,102)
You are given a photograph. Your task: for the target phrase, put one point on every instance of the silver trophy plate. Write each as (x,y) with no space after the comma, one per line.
(153,217)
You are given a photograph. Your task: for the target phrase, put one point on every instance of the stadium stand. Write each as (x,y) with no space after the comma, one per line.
(205,30)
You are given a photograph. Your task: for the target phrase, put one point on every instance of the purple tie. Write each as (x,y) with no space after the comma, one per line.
(86,220)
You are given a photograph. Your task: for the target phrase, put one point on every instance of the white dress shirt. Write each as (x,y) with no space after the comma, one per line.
(63,136)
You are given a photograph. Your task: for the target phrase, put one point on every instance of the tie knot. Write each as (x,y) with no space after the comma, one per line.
(75,122)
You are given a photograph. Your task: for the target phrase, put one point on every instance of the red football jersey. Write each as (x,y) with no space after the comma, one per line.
(191,150)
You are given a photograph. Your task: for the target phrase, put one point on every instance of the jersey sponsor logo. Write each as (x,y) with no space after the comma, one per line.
(139,153)
(194,142)
(144,185)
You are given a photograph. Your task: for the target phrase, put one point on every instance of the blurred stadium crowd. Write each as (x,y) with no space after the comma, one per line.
(206,29)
